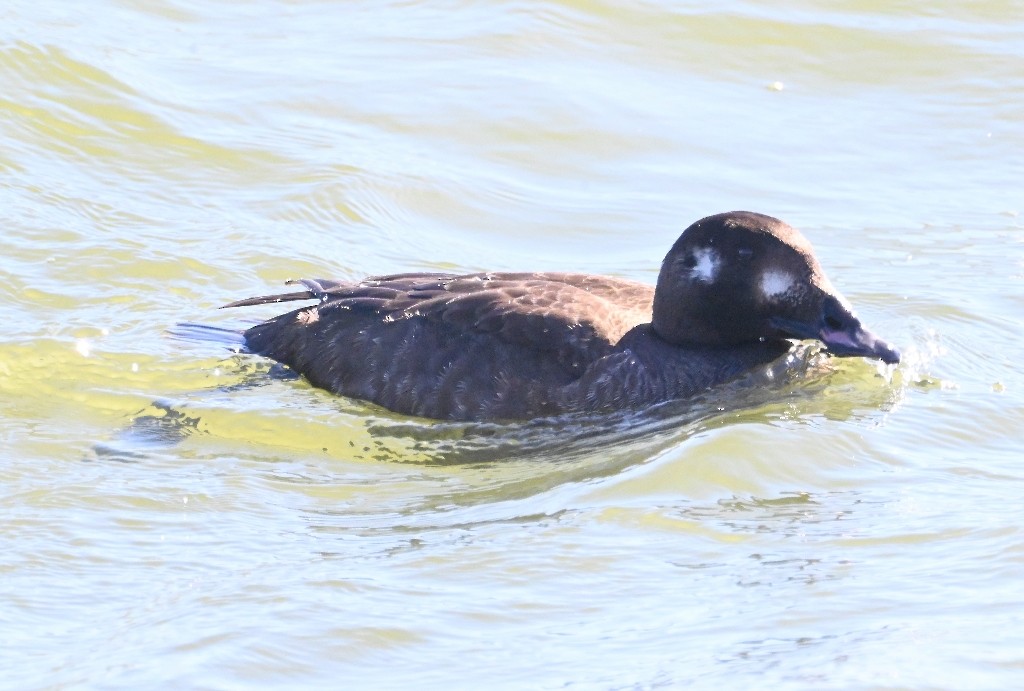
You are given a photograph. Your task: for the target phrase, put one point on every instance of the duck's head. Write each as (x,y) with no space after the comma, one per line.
(740,277)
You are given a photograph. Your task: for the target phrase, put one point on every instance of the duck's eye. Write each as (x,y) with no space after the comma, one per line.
(745,252)
(689,261)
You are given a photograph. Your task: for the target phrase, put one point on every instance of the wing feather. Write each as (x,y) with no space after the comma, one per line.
(439,331)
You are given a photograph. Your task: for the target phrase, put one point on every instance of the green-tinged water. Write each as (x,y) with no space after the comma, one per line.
(178,516)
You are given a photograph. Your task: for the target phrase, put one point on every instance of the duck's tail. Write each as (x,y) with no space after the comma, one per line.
(232,339)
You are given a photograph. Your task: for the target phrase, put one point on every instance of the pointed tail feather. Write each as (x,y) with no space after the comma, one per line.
(267,299)
(315,290)
(190,331)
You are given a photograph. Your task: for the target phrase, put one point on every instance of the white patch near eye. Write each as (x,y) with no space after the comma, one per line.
(775,284)
(706,268)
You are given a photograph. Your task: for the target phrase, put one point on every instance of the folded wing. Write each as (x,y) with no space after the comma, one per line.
(452,346)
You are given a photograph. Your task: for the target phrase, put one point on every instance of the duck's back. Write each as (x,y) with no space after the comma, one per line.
(479,346)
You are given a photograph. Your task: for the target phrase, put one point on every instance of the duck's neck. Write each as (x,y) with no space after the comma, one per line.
(690,367)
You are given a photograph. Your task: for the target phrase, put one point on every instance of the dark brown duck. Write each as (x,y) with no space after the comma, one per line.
(732,290)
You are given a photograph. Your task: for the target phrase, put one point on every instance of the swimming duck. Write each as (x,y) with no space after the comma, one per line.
(732,292)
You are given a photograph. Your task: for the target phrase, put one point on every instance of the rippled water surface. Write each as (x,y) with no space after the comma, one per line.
(176,515)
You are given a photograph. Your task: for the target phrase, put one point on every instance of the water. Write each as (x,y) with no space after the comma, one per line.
(179,516)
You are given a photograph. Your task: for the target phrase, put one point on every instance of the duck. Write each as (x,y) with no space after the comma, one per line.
(734,292)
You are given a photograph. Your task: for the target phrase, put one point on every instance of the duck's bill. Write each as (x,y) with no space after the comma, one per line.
(841,337)
(858,343)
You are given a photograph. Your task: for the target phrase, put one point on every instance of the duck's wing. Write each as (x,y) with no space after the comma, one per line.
(545,311)
(446,346)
